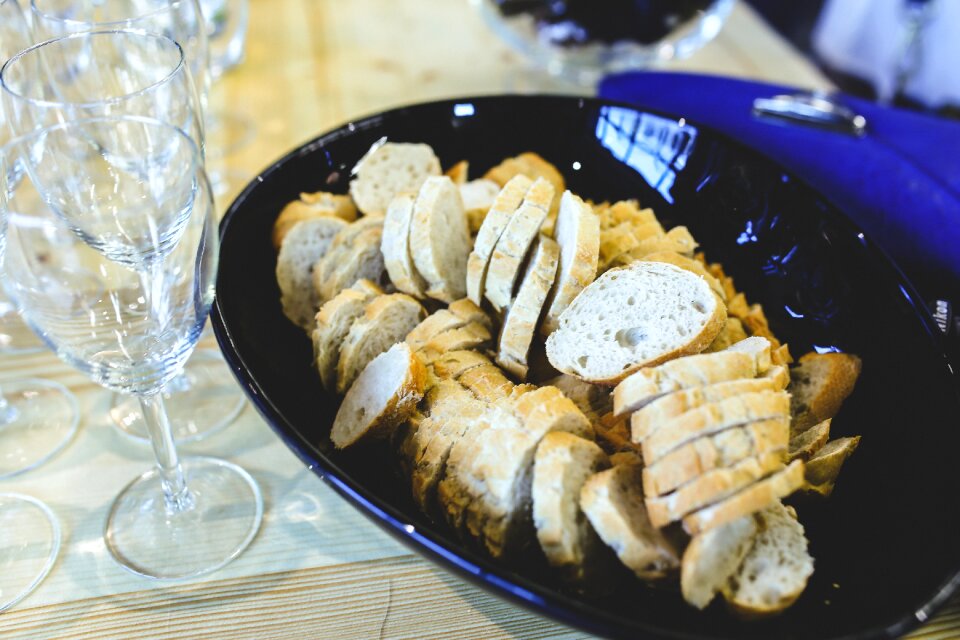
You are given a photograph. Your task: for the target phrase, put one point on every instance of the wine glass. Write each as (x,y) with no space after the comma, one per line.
(29,544)
(129,73)
(38,418)
(128,198)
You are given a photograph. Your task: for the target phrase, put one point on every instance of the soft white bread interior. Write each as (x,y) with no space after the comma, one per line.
(440,240)
(713,557)
(303,245)
(389,169)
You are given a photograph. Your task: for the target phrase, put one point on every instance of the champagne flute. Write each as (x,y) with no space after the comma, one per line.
(129,73)
(38,418)
(145,225)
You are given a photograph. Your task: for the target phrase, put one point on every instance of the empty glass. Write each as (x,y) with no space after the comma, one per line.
(128,199)
(29,543)
(226,32)
(125,73)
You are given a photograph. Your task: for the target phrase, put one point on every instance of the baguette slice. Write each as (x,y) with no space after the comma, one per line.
(385,321)
(713,557)
(334,320)
(593,400)
(528,164)
(714,417)
(806,444)
(633,317)
(433,325)
(613,502)
(677,240)
(732,333)
(478,196)
(711,487)
(649,418)
(562,464)
(514,243)
(520,322)
(624,211)
(343,244)
(396,249)
(780,374)
(688,264)
(363,261)
(824,467)
(458,172)
(466,309)
(309,206)
(487,383)
(775,571)
(470,336)
(759,348)
(757,496)
(385,394)
(819,385)
(577,232)
(648,384)
(440,240)
(303,245)
(499,215)
(389,169)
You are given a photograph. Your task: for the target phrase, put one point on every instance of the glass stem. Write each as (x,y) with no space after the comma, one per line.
(176,495)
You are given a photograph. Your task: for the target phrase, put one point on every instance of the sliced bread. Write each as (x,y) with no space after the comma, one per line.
(713,557)
(470,336)
(824,467)
(646,385)
(453,364)
(362,261)
(303,245)
(577,232)
(466,309)
(714,417)
(732,333)
(613,434)
(613,502)
(504,206)
(334,320)
(386,320)
(649,418)
(386,393)
(711,487)
(458,172)
(440,240)
(520,322)
(676,240)
(396,248)
(718,451)
(561,466)
(806,444)
(775,571)
(592,399)
(755,497)
(389,169)
(528,164)
(432,326)
(478,196)
(611,215)
(688,264)
(312,205)
(487,383)
(759,347)
(818,386)
(633,317)
(342,245)
(510,250)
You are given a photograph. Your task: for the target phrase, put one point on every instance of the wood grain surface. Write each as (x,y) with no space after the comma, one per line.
(317,568)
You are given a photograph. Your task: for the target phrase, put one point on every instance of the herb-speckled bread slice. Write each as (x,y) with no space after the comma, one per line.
(713,557)
(711,487)
(634,317)
(520,322)
(498,217)
(440,240)
(384,395)
(514,242)
(385,321)
(303,245)
(577,233)
(613,502)
(775,571)
(334,320)
(755,497)
(717,451)
(396,249)
(389,169)
(714,417)
(562,464)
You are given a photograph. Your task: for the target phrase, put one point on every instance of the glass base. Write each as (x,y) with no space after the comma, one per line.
(201,401)
(148,539)
(39,419)
(16,337)
(29,544)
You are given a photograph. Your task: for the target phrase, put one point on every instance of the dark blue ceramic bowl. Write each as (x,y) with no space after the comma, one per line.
(887,543)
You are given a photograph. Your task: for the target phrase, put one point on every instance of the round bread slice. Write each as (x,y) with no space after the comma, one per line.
(309,206)
(819,384)
(478,196)
(520,322)
(514,243)
(395,246)
(688,264)
(453,364)
(775,571)
(633,317)
(385,394)
(385,321)
(504,205)
(389,169)
(303,245)
(440,240)
(713,557)
(561,466)
(334,320)
(577,231)
(340,249)
(363,261)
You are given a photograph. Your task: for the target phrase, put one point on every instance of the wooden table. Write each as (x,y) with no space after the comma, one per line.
(318,568)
